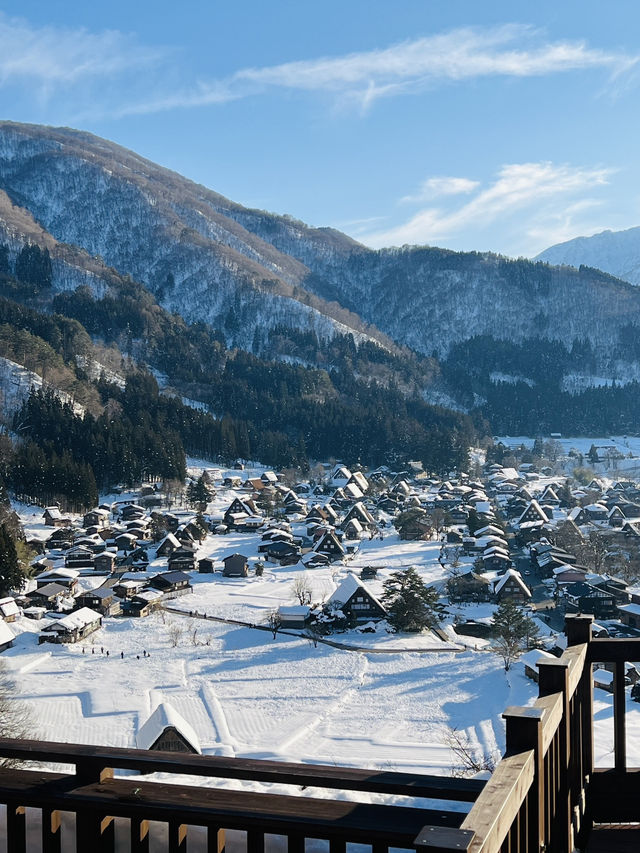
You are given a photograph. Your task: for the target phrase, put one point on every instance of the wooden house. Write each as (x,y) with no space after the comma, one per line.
(129,512)
(359,512)
(629,615)
(96,518)
(183,559)
(330,545)
(205,565)
(166,730)
(72,627)
(168,545)
(79,557)
(235,566)
(469,586)
(67,578)
(105,562)
(144,602)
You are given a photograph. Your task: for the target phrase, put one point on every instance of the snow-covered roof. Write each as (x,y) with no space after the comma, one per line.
(293,610)
(347,588)
(164,717)
(512,573)
(602,676)
(534,656)
(149,595)
(69,574)
(8,607)
(6,634)
(78,619)
(634,609)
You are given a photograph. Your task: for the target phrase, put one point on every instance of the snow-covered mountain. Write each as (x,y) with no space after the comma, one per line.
(615,252)
(104,211)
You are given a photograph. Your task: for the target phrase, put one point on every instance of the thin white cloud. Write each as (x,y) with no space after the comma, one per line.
(92,70)
(365,77)
(437,187)
(49,57)
(522,190)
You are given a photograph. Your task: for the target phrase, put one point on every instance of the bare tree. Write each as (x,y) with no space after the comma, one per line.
(174,632)
(274,621)
(301,589)
(15,717)
(470,760)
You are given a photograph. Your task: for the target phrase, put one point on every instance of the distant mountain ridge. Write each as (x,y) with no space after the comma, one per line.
(615,252)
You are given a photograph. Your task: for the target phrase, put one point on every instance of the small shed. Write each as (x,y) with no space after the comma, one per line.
(235,566)
(205,565)
(293,616)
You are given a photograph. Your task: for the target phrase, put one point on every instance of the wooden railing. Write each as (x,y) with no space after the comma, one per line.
(93,808)
(544,794)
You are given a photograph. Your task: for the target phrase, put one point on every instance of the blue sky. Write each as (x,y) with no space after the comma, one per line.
(503,126)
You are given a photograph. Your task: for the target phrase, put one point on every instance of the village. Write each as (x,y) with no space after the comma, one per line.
(281,584)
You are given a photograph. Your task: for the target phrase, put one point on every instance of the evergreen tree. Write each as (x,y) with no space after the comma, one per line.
(514,631)
(11,575)
(411,606)
(198,493)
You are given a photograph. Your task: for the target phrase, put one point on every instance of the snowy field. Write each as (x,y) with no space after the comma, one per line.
(247,694)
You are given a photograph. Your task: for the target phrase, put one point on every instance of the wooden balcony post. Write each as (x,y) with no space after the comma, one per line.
(93,831)
(524,732)
(619,720)
(577,627)
(553,677)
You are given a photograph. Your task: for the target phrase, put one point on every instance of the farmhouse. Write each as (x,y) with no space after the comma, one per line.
(510,585)
(354,599)
(168,731)
(71,628)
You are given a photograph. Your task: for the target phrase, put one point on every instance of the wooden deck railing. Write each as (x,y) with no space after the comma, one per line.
(543,797)
(544,794)
(86,810)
